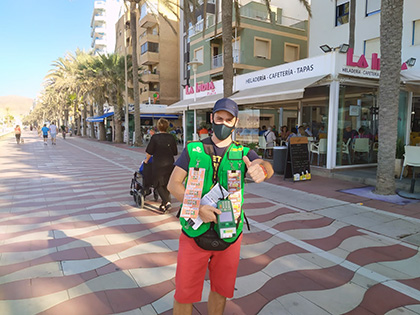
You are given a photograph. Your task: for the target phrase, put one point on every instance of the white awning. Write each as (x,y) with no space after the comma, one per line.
(410,76)
(291,90)
(206,101)
(179,107)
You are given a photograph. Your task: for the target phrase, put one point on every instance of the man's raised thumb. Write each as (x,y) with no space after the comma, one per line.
(247,161)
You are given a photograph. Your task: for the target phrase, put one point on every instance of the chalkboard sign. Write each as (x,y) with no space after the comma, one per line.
(297,162)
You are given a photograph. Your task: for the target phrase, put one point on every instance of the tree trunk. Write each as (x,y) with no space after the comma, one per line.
(77,117)
(118,122)
(389,90)
(92,124)
(66,117)
(227,47)
(137,141)
(352,23)
(84,120)
(102,132)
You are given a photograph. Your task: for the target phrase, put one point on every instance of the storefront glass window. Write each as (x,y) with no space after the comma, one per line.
(247,129)
(357,134)
(189,124)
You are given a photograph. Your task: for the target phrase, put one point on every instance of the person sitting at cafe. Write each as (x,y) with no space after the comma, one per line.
(308,131)
(322,133)
(349,133)
(203,131)
(363,134)
(285,133)
(293,133)
(302,132)
(270,139)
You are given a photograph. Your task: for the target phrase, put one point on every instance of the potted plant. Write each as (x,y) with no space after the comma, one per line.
(399,154)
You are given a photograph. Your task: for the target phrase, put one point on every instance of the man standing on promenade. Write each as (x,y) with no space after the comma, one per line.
(45,130)
(53,132)
(216,165)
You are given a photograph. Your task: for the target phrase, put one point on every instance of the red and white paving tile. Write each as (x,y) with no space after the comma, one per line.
(72,241)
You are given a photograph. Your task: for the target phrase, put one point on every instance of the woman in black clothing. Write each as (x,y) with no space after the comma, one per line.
(162,147)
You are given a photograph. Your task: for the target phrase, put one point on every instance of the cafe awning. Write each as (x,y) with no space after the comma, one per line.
(99,118)
(291,90)
(179,107)
(157,116)
(206,101)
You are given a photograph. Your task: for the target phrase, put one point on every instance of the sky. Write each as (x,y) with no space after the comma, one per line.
(35,33)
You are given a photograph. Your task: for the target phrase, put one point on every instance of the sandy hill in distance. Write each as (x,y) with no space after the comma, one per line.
(18,105)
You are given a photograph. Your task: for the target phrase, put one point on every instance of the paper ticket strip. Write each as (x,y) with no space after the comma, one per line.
(235,193)
(192,196)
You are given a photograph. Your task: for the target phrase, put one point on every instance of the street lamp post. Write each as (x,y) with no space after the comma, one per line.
(194,64)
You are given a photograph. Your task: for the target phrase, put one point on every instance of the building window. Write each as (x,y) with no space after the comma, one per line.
(372,46)
(416,32)
(373,7)
(149,47)
(341,12)
(198,54)
(262,48)
(291,52)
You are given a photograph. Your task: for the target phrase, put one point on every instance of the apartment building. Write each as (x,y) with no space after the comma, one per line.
(105,15)
(257,43)
(158,51)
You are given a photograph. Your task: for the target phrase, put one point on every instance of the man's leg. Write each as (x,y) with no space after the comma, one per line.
(182,309)
(216,303)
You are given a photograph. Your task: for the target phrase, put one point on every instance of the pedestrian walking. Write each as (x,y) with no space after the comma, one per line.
(45,131)
(17,134)
(63,131)
(215,166)
(53,133)
(162,147)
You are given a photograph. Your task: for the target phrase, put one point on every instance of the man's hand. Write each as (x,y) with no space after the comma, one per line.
(208,213)
(255,170)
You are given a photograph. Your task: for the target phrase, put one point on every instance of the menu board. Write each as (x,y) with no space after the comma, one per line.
(297,162)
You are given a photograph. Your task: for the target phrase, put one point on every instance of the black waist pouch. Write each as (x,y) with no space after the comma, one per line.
(210,240)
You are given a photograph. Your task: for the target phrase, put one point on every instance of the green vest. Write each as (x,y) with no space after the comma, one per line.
(200,156)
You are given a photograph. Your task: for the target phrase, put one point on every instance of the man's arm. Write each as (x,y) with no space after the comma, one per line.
(176,183)
(258,169)
(177,189)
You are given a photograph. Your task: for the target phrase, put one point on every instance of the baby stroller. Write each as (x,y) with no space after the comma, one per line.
(142,184)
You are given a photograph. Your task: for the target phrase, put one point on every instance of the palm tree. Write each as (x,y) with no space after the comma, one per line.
(389,91)
(138,139)
(172,7)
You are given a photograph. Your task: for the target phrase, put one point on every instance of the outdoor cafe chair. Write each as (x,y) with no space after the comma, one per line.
(319,148)
(411,157)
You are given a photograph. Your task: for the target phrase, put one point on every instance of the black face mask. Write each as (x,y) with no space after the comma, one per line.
(222,131)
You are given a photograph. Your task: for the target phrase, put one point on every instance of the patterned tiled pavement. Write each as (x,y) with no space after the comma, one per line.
(73,242)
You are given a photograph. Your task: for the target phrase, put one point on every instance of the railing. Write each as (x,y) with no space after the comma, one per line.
(217,61)
(249,13)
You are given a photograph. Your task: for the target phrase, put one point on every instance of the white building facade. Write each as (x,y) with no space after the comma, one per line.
(330,25)
(104,17)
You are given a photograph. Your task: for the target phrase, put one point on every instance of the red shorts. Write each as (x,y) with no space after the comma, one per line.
(192,265)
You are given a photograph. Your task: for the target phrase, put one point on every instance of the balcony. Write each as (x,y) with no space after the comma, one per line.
(145,37)
(148,76)
(149,58)
(98,20)
(99,5)
(97,42)
(147,21)
(217,61)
